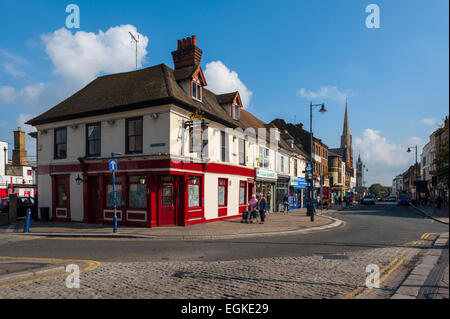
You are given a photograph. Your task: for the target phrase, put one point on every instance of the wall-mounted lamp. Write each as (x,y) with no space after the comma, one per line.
(78,180)
(111,122)
(142,180)
(43,132)
(74,126)
(154,116)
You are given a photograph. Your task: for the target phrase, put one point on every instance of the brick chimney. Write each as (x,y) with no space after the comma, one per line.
(19,151)
(299,125)
(187,53)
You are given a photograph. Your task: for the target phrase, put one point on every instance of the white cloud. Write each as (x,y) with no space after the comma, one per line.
(30,94)
(430,121)
(21,122)
(10,56)
(385,159)
(376,150)
(7,94)
(12,70)
(222,80)
(84,55)
(326,93)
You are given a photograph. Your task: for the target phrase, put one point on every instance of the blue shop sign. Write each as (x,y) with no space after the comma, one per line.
(298,183)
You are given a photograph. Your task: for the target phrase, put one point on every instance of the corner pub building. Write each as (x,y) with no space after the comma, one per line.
(144,116)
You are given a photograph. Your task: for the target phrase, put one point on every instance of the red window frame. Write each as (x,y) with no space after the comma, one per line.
(243,184)
(199,183)
(223,182)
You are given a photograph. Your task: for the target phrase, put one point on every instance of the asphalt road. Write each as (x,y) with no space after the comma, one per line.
(382,225)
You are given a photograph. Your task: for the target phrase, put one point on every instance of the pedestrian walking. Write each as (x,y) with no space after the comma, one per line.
(262,207)
(285,204)
(252,208)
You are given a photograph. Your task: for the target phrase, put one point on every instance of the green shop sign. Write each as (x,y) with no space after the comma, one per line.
(265,174)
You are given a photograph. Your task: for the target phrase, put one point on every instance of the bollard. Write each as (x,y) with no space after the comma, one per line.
(115,224)
(27,222)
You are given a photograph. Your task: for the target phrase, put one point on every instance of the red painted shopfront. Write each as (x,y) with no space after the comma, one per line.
(150,193)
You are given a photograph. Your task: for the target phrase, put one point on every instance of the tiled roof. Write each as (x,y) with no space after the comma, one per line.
(156,85)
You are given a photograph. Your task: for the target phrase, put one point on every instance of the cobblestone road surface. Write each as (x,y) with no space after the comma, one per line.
(297,277)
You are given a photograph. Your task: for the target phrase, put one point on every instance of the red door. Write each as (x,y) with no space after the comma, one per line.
(167,204)
(94,202)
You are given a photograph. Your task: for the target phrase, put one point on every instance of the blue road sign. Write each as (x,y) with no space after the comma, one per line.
(113,165)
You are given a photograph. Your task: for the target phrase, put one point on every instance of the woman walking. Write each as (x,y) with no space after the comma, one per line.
(252,208)
(262,207)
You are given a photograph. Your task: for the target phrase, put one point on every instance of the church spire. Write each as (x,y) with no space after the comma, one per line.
(346,130)
(346,138)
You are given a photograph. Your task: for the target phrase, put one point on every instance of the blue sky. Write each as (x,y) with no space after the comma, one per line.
(396,77)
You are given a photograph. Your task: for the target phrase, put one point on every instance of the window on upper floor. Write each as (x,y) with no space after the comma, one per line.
(235,112)
(282,164)
(263,157)
(196,91)
(242,151)
(93,139)
(134,134)
(198,141)
(60,143)
(224,146)
(295,167)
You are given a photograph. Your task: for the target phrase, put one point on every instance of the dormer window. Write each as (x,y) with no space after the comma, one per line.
(196,91)
(235,112)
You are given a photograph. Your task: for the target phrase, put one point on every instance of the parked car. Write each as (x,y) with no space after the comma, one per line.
(368,200)
(392,198)
(403,199)
(23,204)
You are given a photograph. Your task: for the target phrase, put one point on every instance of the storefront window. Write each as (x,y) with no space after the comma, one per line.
(222,192)
(120,201)
(193,191)
(242,188)
(137,193)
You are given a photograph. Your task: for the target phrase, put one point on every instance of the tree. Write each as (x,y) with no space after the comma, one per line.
(379,190)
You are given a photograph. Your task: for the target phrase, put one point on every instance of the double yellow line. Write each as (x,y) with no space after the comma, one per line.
(91,266)
(426,235)
(387,271)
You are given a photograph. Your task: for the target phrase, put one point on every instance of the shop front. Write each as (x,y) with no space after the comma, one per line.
(265,182)
(297,192)
(281,191)
(152,193)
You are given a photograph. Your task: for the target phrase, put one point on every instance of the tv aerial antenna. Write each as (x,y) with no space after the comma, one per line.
(133,39)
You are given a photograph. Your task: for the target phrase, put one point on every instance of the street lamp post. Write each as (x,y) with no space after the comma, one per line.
(417,173)
(322,110)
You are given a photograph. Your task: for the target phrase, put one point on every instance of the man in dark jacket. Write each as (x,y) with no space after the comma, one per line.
(262,207)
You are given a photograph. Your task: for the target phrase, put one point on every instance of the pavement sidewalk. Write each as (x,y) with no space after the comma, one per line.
(295,222)
(441,215)
(430,276)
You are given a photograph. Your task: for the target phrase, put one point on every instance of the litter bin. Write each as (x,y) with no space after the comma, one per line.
(45,213)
